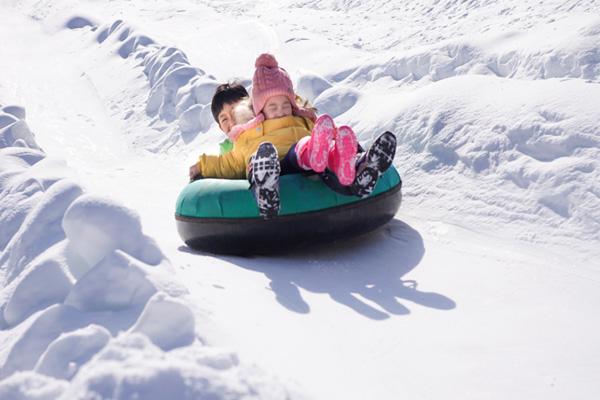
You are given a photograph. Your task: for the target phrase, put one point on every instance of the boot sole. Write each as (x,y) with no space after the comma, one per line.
(322,135)
(346,146)
(265,174)
(378,159)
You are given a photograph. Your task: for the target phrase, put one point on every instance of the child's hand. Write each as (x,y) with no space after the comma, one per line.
(195,172)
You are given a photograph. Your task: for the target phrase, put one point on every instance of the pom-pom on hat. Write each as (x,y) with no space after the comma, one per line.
(270,80)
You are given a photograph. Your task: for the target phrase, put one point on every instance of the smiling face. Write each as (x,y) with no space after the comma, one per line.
(225,118)
(277,107)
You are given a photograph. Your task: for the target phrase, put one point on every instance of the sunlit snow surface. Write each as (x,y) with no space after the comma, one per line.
(485,285)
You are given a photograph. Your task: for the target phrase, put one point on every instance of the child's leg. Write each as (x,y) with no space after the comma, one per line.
(291,163)
(342,156)
(373,163)
(264,179)
(331,180)
(312,151)
(333,183)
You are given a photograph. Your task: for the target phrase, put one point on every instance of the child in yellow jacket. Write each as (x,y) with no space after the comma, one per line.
(277,119)
(282,131)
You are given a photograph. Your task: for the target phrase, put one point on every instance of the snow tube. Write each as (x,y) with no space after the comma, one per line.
(220,215)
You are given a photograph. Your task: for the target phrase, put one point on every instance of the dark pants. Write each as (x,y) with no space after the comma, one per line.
(290,165)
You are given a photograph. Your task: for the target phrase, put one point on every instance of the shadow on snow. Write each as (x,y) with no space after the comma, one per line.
(356,272)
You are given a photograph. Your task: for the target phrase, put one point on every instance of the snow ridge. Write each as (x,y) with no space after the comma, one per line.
(538,155)
(84,295)
(497,110)
(535,54)
(178,91)
(14,132)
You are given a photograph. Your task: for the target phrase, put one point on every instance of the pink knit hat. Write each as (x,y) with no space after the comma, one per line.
(269,80)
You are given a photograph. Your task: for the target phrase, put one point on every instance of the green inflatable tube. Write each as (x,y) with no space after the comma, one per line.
(221,216)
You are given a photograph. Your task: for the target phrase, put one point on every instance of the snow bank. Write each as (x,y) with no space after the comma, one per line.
(533,153)
(146,372)
(88,303)
(28,385)
(310,85)
(176,331)
(14,132)
(541,53)
(178,91)
(496,110)
(70,350)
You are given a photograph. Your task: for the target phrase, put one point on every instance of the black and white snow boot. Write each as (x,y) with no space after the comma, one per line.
(373,163)
(264,179)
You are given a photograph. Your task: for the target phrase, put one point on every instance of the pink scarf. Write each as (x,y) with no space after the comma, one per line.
(235,132)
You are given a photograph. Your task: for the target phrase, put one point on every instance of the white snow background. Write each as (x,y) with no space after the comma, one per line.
(486,285)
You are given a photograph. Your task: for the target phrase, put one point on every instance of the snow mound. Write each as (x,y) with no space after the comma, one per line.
(13,129)
(78,22)
(17,111)
(540,53)
(146,372)
(496,110)
(116,282)
(178,91)
(176,331)
(533,152)
(28,385)
(310,86)
(95,226)
(88,303)
(336,100)
(44,283)
(41,227)
(70,350)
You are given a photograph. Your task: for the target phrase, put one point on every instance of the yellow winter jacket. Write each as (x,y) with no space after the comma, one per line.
(283,133)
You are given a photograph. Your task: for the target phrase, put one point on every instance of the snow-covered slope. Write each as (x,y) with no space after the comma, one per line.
(86,294)
(485,284)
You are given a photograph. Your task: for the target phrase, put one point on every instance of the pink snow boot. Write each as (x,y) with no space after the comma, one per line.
(315,150)
(342,157)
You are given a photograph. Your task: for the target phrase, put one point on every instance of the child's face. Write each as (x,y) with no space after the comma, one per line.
(277,107)
(225,117)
